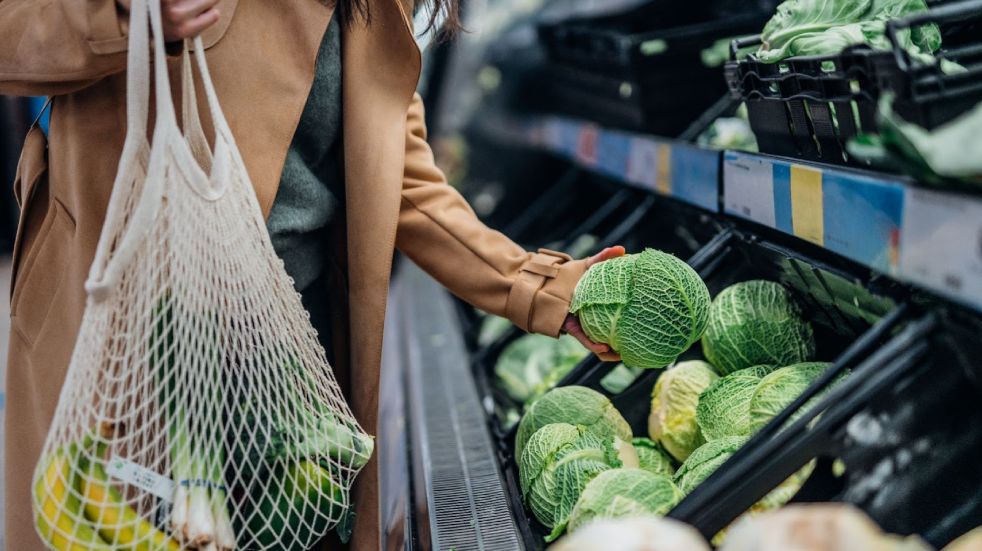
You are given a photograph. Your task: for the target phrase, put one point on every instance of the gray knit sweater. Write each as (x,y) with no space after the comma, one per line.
(312,184)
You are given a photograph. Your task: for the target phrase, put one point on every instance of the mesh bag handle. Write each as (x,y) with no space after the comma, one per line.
(199,410)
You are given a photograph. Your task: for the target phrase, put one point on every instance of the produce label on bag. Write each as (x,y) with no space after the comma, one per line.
(141,477)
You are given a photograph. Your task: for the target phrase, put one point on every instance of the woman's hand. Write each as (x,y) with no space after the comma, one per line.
(572,324)
(183,18)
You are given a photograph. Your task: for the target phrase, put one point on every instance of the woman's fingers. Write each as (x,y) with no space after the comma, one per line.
(572,326)
(606,254)
(609,356)
(187,18)
(196,26)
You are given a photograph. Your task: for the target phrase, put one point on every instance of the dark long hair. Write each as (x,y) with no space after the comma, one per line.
(446,10)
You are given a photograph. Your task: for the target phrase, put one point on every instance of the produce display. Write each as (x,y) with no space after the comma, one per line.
(492,328)
(777,389)
(756,323)
(624,493)
(811,527)
(705,460)
(808,267)
(820,27)
(639,533)
(652,457)
(947,153)
(556,465)
(733,133)
(575,452)
(649,307)
(619,378)
(579,406)
(817,527)
(673,407)
(724,407)
(533,364)
(255,451)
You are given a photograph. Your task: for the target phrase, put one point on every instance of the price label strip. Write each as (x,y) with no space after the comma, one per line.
(848,213)
(695,176)
(941,244)
(642,163)
(807,210)
(748,188)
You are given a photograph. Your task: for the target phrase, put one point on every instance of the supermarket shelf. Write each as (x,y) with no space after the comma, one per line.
(669,168)
(855,215)
(926,237)
(930,238)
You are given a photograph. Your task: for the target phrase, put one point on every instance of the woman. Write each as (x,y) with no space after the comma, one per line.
(323,109)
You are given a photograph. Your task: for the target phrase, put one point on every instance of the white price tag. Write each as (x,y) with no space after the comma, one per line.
(551,135)
(941,243)
(642,163)
(748,189)
(141,477)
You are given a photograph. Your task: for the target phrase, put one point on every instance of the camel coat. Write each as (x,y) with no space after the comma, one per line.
(261,55)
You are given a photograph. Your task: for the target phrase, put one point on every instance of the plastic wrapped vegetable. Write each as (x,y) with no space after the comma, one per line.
(642,533)
(816,527)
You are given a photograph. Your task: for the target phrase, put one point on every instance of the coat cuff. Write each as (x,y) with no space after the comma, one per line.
(541,294)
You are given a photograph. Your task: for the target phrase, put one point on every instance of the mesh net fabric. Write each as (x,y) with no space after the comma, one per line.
(199,410)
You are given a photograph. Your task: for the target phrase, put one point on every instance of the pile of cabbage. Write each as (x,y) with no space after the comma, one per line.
(579,461)
(577,457)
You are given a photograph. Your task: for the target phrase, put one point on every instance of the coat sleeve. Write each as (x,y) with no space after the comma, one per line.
(52,47)
(441,233)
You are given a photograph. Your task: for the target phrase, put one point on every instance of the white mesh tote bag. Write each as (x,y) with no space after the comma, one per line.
(199,410)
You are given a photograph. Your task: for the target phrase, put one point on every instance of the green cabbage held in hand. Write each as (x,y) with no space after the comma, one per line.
(578,405)
(556,465)
(778,389)
(724,407)
(672,422)
(826,27)
(620,493)
(649,307)
(532,364)
(652,457)
(756,323)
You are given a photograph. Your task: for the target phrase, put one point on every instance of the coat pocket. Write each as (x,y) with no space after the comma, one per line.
(43,268)
(44,240)
(32,169)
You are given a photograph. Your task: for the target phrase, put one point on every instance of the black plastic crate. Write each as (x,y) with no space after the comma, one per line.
(810,107)
(630,70)
(904,428)
(843,302)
